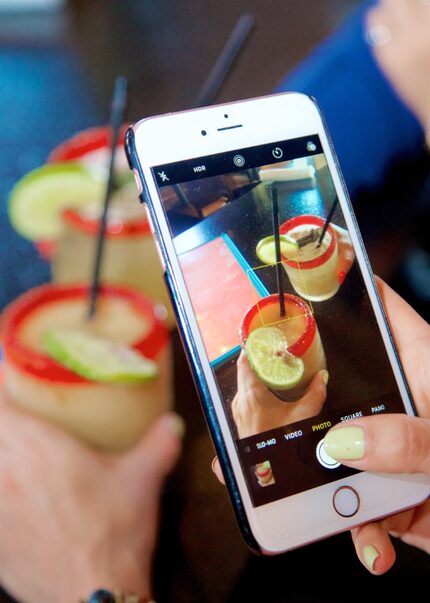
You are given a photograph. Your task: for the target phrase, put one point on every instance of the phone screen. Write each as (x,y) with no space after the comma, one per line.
(281,305)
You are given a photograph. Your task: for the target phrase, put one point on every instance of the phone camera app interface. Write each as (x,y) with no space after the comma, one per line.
(282,309)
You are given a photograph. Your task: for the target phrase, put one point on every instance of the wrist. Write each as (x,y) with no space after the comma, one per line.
(108,596)
(126,578)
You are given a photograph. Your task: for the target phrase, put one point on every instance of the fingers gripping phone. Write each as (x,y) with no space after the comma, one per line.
(277,308)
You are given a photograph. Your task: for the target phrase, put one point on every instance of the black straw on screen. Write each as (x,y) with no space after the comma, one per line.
(275,219)
(119,101)
(327,221)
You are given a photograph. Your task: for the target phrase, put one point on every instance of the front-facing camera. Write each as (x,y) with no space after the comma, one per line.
(204,132)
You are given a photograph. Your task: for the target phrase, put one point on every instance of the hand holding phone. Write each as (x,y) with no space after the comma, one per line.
(372,541)
(255,409)
(270,296)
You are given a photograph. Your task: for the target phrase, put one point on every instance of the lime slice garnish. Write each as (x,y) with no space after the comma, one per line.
(266,251)
(37,199)
(267,352)
(98,359)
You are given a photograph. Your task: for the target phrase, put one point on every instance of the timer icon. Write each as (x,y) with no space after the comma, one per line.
(277,153)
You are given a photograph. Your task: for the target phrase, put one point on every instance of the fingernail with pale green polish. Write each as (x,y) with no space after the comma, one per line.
(345,443)
(325,376)
(370,555)
(175,424)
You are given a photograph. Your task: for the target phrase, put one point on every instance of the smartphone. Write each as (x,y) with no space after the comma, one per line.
(277,309)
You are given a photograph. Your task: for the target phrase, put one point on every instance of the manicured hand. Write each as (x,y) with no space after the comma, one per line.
(393,443)
(73,520)
(256,409)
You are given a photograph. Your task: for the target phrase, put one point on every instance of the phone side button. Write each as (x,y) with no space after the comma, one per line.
(149,220)
(346,501)
(154,236)
(138,181)
(160,255)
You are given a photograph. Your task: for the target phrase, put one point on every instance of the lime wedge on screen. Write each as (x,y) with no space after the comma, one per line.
(37,199)
(98,359)
(267,353)
(266,251)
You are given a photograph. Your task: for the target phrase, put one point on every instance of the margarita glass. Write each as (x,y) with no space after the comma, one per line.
(300,331)
(130,256)
(108,416)
(312,269)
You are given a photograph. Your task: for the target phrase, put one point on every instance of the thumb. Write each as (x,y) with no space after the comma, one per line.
(393,443)
(155,455)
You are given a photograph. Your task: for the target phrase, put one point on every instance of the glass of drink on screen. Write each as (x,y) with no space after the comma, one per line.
(312,267)
(292,339)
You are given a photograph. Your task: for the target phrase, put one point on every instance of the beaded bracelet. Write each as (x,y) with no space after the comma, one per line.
(105,596)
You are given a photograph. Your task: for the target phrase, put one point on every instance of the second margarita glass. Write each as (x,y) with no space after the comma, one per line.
(300,331)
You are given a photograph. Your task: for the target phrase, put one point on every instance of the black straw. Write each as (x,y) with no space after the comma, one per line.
(275,217)
(327,221)
(225,61)
(119,100)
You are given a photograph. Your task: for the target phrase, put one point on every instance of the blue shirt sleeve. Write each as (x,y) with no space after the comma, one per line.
(370,126)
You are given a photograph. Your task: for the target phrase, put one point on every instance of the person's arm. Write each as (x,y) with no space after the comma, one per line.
(399,34)
(371,125)
(255,409)
(73,520)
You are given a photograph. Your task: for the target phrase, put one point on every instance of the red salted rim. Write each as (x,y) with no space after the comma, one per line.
(315,221)
(263,472)
(42,366)
(301,346)
(114,227)
(85,142)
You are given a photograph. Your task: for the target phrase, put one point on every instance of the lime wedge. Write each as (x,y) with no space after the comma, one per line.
(266,251)
(98,359)
(267,353)
(37,199)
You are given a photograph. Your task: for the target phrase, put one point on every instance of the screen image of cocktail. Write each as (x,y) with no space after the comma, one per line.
(286,352)
(312,270)
(311,264)
(264,474)
(103,380)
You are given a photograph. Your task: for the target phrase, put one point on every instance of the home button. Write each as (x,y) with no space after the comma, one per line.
(346,501)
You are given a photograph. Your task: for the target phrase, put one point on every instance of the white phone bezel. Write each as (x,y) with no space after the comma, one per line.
(307,516)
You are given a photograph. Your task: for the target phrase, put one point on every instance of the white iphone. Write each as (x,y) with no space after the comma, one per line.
(277,308)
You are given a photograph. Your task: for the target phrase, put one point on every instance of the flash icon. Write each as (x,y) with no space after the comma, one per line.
(163,176)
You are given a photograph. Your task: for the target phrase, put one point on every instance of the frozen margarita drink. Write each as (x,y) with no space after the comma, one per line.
(108,415)
(58,206)
(130,256)
(285,352)
(311,267)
